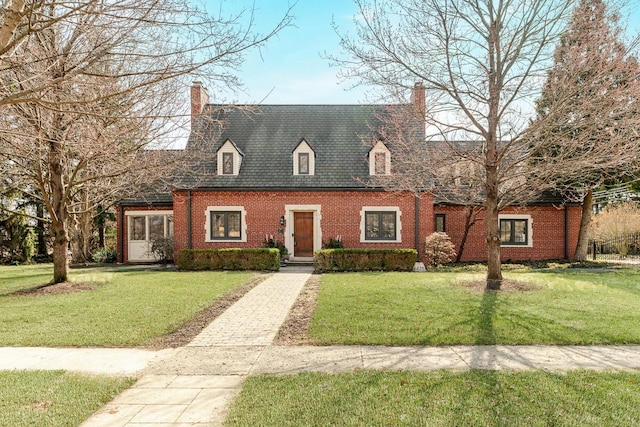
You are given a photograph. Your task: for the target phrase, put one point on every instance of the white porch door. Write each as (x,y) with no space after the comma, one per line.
(144,228)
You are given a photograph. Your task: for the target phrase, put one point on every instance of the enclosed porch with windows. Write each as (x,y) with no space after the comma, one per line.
(143,229)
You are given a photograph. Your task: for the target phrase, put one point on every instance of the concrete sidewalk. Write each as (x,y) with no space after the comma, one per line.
(194,385)
(165,398)
(107,361)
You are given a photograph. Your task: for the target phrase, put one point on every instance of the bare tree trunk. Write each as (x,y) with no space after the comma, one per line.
(81,231)
(40,230)
(12,16)
(470,216)
(583,234)
(101,236)
(494,264)
(60,252)
(59,213)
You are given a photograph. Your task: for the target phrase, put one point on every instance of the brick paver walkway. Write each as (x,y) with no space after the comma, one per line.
(256,318)
(168,399)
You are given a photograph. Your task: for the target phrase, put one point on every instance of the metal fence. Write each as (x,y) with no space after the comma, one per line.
(621,248)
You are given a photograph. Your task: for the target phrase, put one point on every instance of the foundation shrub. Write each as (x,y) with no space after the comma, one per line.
(438,249)
(229,259)
(330,260)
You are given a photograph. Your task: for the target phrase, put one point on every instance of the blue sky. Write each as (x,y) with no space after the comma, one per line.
(290,68)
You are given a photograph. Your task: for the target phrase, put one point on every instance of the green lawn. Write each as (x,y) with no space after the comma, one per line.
(475,398)
(568,306)
(53,398)
(127,308)
(14,278)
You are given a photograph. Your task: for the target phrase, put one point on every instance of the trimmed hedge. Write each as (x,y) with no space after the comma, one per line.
(229,259)
(330,260)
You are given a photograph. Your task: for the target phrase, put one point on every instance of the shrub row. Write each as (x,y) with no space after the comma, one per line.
(229,259)
(329,260)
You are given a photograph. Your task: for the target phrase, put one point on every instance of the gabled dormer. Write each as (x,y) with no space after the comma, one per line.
(304,159)
(229,158)
(379,160)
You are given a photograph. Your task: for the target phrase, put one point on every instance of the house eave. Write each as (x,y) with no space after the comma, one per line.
(141,203)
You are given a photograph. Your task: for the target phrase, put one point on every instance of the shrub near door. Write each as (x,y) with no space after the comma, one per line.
(229,259)
(330,260)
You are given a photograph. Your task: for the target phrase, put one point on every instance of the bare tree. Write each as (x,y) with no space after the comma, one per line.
(443,168)
(589,108)
(480,62)
(89,87)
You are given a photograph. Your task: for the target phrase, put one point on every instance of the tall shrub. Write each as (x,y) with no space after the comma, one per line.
(438,249)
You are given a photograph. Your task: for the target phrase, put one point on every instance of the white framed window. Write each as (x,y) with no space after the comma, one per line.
(229,159)
(146,226)
(516,230)
(379,160)
(225,224)
(381,224)
(304,159)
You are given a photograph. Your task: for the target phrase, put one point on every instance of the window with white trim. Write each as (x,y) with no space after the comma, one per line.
(226,224)
(304,159)
(380,224)
(515,230)
(379,160)
(150,225)
(229,159)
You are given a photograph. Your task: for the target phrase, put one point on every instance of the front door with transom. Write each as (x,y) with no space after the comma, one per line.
(303,234)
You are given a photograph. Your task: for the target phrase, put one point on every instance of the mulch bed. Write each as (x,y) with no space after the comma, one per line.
(295,329)
(56,289)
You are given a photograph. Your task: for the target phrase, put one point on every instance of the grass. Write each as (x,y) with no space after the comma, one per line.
(127,308)
(19,277)
(474,398)
(53,398)
(568,306)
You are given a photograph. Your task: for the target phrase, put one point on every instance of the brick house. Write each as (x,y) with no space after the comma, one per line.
(299,173)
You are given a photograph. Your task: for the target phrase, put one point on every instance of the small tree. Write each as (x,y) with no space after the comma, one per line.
(438,249)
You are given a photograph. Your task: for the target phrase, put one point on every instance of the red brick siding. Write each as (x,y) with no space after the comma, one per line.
(123,230)
(340,215)
(548,233)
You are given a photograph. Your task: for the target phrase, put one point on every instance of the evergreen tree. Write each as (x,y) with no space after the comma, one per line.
(588,110)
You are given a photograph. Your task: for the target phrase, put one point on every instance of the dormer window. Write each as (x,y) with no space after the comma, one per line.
(380,160)
(229,158)
(304,162)
(380,166)
(227,163)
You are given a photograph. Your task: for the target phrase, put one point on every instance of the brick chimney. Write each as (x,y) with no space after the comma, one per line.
(199,98)
(418,98)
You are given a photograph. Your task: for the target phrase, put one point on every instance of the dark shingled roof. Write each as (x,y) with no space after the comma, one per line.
(267,136)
